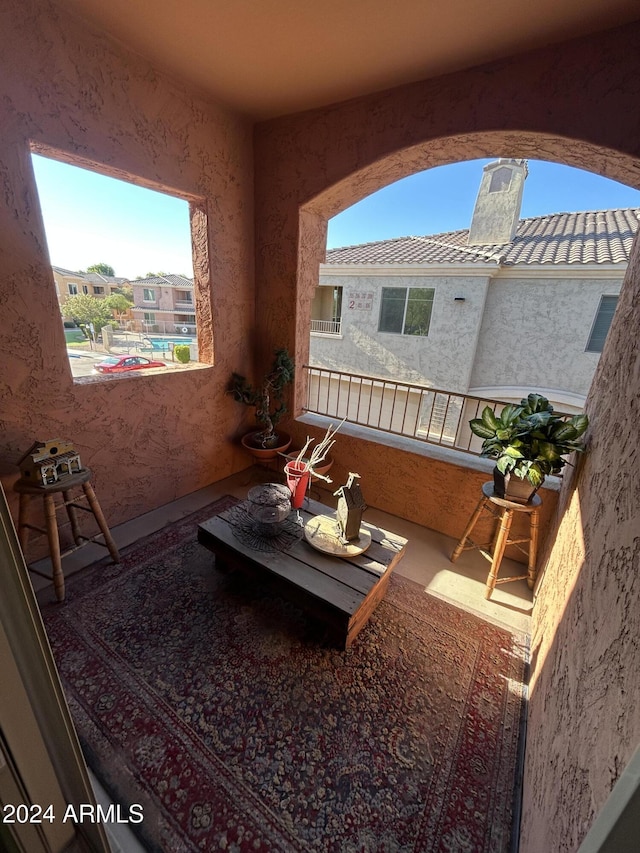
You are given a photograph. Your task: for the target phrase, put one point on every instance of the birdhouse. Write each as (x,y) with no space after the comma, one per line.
(47,462)
(351,506)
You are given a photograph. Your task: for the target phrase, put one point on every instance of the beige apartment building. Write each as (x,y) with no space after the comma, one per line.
(504,308)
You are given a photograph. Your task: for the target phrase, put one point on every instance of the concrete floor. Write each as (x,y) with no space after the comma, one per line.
(426,561)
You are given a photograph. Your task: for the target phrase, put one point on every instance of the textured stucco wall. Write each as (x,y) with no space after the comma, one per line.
(148,439)
(584,716)
(534,332)
(574,103)
(441,359)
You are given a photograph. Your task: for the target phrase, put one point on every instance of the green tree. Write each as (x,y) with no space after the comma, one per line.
(86,310)
(102,269)
(118,303)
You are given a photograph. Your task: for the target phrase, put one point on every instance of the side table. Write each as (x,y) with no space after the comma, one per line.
(27,490)
(503,510)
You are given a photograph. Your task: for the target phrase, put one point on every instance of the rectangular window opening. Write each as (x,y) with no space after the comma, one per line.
(406,310)
(601,323)
(131,250)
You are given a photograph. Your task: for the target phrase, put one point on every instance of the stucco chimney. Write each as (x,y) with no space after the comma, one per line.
(497,210)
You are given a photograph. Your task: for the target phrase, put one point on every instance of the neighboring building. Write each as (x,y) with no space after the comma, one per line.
(70,283)
(164,304)
(504,308)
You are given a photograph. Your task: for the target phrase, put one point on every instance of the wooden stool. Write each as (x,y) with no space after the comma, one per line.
(27,490)
(503,510)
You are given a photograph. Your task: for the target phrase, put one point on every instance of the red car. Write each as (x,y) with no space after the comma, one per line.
(124,363)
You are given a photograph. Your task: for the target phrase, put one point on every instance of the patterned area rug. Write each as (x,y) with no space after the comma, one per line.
(216,707)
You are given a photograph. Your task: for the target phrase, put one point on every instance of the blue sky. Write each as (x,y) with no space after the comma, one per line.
(442,199)
(91,219)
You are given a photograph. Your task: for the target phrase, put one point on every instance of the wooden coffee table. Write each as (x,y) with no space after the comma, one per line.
(340,592)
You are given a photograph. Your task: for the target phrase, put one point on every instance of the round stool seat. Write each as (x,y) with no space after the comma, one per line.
(488,492)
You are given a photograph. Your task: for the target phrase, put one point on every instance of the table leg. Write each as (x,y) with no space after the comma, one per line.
(54,546)
(533,550)
(476,515)
(73,518)
(501,544)
(23,530)
(102,524)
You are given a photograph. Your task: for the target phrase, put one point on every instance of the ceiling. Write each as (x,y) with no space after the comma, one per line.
(267,58)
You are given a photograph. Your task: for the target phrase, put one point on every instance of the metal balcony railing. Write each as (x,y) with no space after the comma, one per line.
(326,327)
(416,411)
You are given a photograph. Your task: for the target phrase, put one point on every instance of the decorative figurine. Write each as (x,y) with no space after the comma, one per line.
(46,462)
(351,505)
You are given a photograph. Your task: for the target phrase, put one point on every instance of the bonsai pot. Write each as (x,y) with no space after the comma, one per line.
(252,443)
(512,488)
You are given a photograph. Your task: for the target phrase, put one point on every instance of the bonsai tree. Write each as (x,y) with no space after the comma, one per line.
(529,440)
(268,397)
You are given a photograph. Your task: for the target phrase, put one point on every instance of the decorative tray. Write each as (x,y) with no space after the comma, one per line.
(322,533)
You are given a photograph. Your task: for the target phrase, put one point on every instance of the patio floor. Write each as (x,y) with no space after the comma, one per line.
(426,561)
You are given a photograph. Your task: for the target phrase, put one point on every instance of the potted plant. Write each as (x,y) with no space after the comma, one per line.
(268,401)
(528,442)
(301,467)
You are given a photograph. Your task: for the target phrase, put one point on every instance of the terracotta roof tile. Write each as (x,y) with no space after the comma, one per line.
(587,237)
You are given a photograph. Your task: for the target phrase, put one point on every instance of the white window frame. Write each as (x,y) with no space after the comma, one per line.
(404,313)
(72,288)
(607,305)
(146,297)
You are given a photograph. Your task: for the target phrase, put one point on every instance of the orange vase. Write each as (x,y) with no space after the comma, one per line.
(297,481)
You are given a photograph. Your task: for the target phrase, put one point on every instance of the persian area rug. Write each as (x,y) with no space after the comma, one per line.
(216,707)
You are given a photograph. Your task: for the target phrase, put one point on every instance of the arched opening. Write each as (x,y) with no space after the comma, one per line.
(582,302)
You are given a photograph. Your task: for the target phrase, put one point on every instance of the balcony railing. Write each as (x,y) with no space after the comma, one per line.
(326,327)
(416,411)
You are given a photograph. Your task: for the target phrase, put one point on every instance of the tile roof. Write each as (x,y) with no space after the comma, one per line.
(98,278)
(588,237)
(164,281)
(93,277)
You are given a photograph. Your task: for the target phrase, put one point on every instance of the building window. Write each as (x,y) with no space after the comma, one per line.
(73,289)
(149,294)
(98,291)
(85,289)
(601,324)
(185,296)
(406,310)
(149,317)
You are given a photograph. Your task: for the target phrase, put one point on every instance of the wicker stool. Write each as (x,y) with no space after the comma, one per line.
(503,510)
(27,490)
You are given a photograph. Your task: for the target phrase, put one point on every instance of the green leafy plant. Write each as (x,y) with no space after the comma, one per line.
(182,353)
(268,397)
(529,440)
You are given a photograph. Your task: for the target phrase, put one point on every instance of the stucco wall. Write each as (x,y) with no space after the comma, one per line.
(584,715)
(148,439)
(441,359)
(575,103)
(534,332)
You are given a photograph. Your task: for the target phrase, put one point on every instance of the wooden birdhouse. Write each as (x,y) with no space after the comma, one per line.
(351,506)
(47,462)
